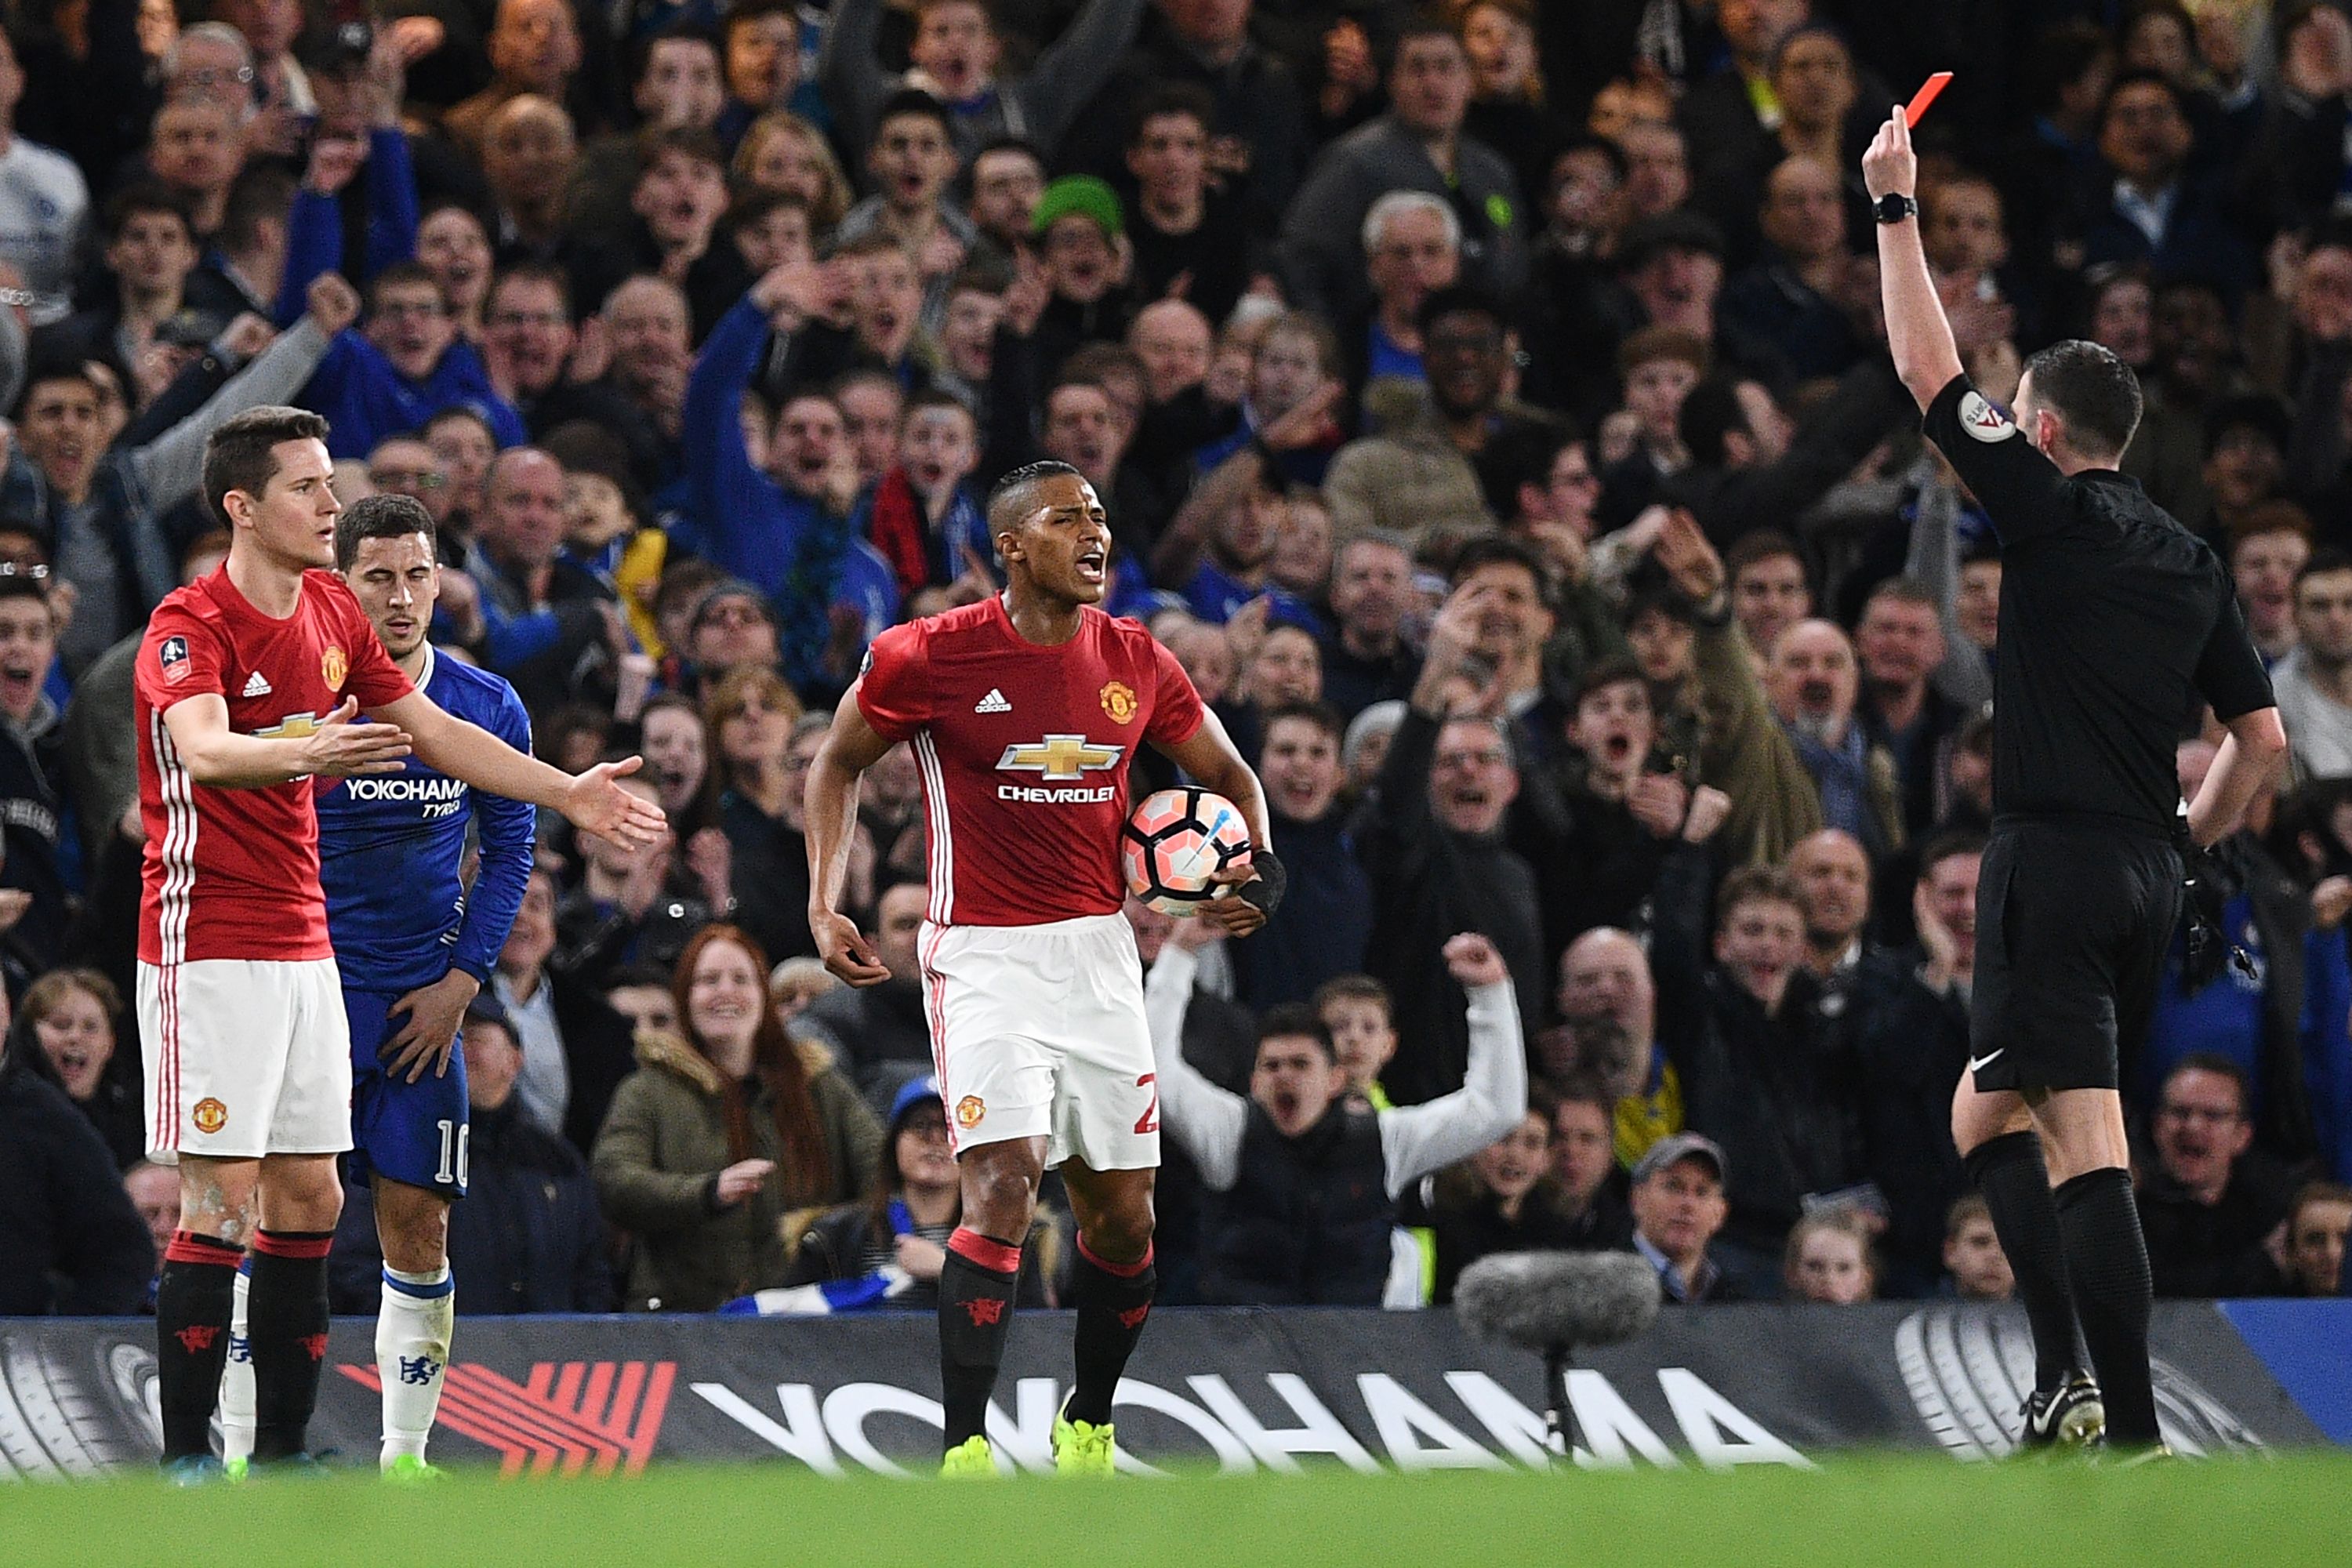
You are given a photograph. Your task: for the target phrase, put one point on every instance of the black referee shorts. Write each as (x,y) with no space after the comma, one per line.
(2072,925)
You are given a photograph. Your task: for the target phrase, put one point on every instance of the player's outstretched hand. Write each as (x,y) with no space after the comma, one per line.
(597,804)
(338,748)
(1229,913)
(434,1013)
(845,950)
(1472,959)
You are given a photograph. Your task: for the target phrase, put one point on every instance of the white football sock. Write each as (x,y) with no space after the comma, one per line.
(236,1377)
(412,1352)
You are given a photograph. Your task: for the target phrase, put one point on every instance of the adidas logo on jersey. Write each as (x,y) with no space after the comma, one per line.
(993,703)
(255,686)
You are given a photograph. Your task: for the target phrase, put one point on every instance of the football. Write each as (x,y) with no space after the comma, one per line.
(1175,841)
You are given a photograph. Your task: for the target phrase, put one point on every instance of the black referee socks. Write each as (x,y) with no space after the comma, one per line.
(192,1311)
(286,1318)
(2107,1257)
(1113,1299)
(977,1284)
(2008,1171)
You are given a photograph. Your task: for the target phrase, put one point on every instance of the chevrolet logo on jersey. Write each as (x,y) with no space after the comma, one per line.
(293,727)
(1060,757)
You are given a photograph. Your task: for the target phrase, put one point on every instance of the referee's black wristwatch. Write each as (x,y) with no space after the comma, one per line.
(1894,208)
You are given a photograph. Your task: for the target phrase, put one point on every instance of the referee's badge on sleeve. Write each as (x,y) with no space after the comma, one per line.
(1985,420)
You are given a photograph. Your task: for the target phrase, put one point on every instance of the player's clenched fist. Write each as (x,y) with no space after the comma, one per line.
(1472,959)
(845,950)
(338,748)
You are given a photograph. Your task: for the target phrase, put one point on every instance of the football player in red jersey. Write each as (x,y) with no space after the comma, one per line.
(1023,713)
(247,687)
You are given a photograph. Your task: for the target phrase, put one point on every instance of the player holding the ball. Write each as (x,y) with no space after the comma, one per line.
(1024,711)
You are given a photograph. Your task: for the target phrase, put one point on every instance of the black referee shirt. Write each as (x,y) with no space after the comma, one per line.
(2115,622)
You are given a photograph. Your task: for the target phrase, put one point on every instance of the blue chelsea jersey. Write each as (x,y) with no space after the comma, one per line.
(392,851)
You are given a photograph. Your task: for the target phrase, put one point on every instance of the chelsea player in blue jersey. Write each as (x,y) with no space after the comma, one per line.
(414,945)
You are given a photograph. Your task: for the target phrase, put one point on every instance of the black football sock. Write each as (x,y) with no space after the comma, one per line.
(286,1320)
(1112,1300)
(2008,1171)
(2107,1257)
(976,1290)
(192,1311)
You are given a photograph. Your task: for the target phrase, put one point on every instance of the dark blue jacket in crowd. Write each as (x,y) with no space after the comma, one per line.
(365,401)
(808,563)
(1325,920)
(74,1244)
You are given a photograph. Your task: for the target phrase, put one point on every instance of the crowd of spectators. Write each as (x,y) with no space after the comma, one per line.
(1493,413)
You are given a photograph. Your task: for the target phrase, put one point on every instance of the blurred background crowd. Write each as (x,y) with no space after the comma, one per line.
(1437,368)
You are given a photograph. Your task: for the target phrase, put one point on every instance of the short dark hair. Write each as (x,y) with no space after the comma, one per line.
(15,585)
(1757,884)
(1322,715)
(404,275)
(750,11)
(1005,497)
(688,141)
(1760,544)
(2091,390)
(911,100)
(382,516)
(1903,590)
(680,32)
(1602,673)
(533,272)
(2327,558)
(1502,550)
(1948,847)
(143,196)
(1461,299)
(2220,1067)
(265,191)
(241,455)
(1172,98)
(1021,144)
(1296,1018)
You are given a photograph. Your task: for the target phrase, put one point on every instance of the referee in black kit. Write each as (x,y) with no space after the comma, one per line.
(2115,624)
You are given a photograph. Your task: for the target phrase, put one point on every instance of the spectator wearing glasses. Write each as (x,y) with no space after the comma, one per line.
(2211,1202)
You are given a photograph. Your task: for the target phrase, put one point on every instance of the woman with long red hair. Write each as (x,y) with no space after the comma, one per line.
(726,1126)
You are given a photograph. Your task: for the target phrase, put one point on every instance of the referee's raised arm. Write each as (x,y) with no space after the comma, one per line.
(1917,333)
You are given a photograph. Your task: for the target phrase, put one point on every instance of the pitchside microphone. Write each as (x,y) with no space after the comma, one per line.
(1554,1302)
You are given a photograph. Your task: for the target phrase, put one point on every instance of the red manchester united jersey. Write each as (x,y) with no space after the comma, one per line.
(1024,750)
(234,873)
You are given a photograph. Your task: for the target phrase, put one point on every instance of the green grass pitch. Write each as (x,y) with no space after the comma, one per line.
(1906,1513)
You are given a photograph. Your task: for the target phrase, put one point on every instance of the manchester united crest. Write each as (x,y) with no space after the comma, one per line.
(1118,701)
(968,1110)
(334,666)
(209,1115)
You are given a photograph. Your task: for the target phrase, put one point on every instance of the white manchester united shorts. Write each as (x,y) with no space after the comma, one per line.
(1039,1032)
(245,1057)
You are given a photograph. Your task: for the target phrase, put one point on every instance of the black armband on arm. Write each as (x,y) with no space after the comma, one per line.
(1265,890)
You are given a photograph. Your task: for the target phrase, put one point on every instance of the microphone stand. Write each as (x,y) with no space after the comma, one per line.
(1559,1417)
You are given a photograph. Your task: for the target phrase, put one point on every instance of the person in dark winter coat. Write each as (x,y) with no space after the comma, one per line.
(71,1024)
(1504,1198)
(74,1244)
(1325,917)
(2212,1204)
(528,1236)
(1758,1055)
(1909,1052)
(1432,837)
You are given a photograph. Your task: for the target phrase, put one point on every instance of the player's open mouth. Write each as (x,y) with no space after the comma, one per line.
(1091,565)
(400,627)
